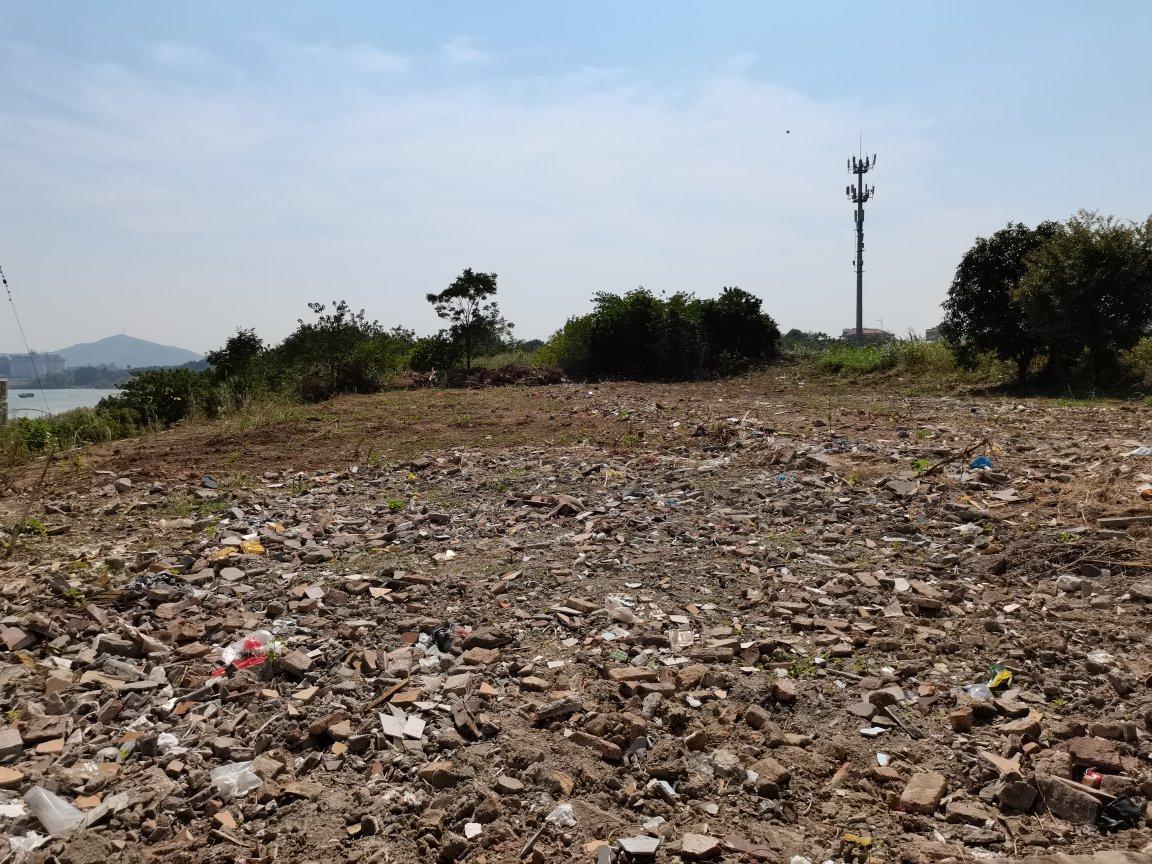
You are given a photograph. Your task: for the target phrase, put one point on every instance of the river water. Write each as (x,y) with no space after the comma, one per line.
(58,400)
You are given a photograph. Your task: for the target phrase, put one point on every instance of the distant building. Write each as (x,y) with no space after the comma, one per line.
(872,335)
(932,334)
(18,368)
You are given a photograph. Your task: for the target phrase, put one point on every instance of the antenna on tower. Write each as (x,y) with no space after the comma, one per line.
(859,195)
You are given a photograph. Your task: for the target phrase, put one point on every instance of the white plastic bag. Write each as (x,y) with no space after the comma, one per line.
(235,779)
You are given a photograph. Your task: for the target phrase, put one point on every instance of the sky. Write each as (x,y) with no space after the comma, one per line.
(176,171)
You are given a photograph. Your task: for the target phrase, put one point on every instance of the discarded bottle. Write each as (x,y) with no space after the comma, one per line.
(56,815)
(235,779)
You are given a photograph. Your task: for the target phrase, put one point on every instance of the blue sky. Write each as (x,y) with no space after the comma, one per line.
(176,171)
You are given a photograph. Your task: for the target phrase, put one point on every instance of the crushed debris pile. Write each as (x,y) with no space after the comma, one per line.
(747,643)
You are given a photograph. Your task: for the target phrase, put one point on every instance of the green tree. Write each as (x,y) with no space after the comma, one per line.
(474,319)
(342,351)
(737,331)
(164,397)
(235,359)
(645,337)
(982,313)
(1087,293)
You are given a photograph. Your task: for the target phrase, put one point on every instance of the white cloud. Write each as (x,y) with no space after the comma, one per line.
(356,58)
(238,203)
(464,51)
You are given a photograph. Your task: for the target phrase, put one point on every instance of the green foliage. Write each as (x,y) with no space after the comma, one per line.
(1077,294)
(34,526)
(801,342)
(906,355)
(1088,295)
(982,313)
(238,356)
(474,319)
(164,397)
(340,352)
(644,337)
(395,505)
(801,667)
(433,353)
(27,437)
(1139,361)
(516,357)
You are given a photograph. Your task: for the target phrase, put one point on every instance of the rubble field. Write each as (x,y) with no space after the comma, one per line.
(756,620)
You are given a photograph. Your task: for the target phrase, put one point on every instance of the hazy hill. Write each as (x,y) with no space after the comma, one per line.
(125,351)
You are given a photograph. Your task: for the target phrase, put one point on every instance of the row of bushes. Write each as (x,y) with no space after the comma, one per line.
(1061,297)
(643,337)
(1132,370)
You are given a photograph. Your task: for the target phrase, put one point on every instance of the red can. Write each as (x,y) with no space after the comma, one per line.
(1093,778)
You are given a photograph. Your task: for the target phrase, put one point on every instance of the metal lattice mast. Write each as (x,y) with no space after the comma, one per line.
(858,194)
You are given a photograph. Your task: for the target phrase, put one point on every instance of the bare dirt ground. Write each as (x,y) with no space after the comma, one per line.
(743,620)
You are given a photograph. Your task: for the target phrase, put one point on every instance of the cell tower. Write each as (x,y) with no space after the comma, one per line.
(858,194)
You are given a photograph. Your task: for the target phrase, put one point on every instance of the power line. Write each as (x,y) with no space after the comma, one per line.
(20,327)
(858,194)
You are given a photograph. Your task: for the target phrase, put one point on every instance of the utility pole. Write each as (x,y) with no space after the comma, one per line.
(858,194)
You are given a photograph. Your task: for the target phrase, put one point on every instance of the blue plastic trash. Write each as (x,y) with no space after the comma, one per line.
(981,462)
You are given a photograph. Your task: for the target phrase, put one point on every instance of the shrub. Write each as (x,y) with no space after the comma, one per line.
(164,396)
(910,355)
(1139,361)
(982,312)
(435,352)
(341,352)
(1077,294)
(25,437)
(645,337)
(1088,295)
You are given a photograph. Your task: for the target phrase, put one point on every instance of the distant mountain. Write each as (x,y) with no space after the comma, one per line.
(124,352)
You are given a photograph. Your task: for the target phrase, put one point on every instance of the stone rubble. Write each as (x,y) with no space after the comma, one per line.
(752,646)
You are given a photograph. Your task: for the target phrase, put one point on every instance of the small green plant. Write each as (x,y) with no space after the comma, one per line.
(299,486)
(73,595)
(395,505)
(211,507)
(32,525)
(1068,537)
(801,667)
(1059,704)
(921,465)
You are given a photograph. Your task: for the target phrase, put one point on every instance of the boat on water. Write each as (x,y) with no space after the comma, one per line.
(25,395)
